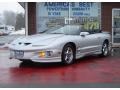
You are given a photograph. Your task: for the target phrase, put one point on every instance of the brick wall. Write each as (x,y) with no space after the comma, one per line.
(106,14)
(31,18)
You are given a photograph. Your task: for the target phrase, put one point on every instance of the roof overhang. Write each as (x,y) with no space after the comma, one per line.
(22,4)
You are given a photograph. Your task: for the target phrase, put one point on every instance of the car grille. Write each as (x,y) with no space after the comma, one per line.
(24,43)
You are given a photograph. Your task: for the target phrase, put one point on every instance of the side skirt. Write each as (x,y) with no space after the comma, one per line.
(79,55)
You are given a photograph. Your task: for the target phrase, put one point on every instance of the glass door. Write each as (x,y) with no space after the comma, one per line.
(116,26)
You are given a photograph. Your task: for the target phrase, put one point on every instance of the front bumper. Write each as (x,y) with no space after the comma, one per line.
(33,56)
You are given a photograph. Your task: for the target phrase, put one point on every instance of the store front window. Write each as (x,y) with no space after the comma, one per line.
(116,26)
(86,15)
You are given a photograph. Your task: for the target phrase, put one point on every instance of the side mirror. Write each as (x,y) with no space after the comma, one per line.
(83,34)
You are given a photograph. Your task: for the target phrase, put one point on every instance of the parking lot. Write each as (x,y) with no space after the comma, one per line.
(5,40)
(90,71)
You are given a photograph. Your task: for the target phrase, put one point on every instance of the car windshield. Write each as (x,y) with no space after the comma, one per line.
(67,30)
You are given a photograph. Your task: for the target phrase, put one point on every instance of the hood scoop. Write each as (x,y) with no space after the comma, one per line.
(24,43)
(27,43)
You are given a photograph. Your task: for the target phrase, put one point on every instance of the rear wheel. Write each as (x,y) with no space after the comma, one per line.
(68,54)
(105,49)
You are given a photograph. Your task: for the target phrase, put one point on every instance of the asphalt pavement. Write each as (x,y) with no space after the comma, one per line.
(90,71)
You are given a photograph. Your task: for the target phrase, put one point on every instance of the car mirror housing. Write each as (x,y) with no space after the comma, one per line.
(83,34)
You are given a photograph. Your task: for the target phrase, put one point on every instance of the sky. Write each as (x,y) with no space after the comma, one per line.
(11,6)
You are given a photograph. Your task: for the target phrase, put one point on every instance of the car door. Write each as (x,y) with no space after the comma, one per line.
(88,43)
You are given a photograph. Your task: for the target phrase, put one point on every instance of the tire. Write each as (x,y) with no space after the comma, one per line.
(105,49)
(68,54)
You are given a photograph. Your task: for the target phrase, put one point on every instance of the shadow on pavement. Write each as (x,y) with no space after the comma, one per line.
(87,59)
(40,65)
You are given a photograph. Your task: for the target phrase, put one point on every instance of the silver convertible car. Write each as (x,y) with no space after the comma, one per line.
(64,44)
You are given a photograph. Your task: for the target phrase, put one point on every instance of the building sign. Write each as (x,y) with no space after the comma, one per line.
(85,9)
(63,9)
(53,14)
(53,9)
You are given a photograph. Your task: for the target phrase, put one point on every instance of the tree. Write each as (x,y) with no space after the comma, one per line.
(9,18)
(20,21)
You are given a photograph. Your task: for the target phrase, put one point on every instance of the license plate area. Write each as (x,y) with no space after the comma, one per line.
(18,54)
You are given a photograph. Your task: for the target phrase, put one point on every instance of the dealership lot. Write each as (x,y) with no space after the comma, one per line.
(91,71)
(5,40)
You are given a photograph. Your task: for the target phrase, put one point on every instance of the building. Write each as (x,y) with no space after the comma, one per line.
(104,16)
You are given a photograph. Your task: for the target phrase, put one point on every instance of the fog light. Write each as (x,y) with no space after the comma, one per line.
(41,54)
(49,53)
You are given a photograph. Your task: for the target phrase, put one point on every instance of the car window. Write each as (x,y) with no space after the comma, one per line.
(92,31)
(67,30)
(72,30)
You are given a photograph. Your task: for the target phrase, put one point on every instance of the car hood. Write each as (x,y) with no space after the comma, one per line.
(39,39)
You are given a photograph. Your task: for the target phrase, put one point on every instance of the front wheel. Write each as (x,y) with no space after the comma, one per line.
(68,54)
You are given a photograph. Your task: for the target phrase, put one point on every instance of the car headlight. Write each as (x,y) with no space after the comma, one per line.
(45,53)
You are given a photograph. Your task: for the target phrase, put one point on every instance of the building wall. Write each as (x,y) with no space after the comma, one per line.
(106,14)
(31,18)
